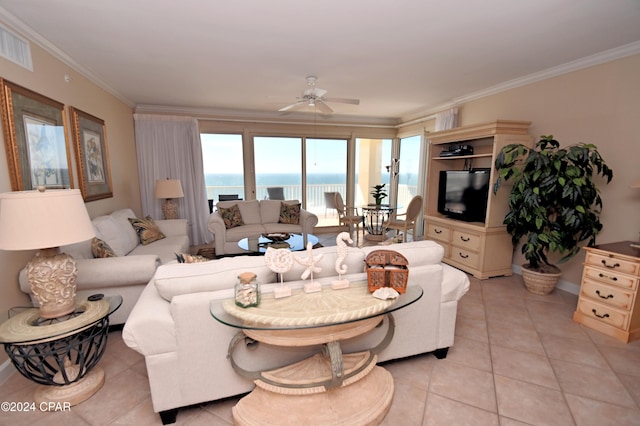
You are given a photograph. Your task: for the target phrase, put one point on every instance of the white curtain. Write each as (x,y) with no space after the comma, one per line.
(447,119)
(169,148)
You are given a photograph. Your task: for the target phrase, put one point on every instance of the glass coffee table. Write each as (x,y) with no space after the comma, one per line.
(360,391)
(260,243)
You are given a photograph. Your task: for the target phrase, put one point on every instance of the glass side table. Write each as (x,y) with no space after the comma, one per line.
(329,387)
(60,353)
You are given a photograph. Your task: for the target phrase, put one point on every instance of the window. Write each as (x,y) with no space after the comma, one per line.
(223,164)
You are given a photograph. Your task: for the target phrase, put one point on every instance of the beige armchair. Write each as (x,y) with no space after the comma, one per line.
(409,221)
(349,216)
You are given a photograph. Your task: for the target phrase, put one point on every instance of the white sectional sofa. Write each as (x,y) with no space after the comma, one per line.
(185,348)
(128,273)
(259,217)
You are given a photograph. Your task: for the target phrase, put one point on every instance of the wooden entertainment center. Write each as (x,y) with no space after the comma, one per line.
(483,249)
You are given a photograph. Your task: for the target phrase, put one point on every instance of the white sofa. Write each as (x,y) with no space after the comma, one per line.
(259,217)
(185,348)
(128,273)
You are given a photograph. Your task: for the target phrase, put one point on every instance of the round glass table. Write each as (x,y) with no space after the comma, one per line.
(61,353)
(375,216)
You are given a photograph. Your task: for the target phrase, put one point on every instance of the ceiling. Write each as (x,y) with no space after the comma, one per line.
(403,59)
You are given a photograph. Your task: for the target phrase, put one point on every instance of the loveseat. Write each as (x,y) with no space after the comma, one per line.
(134,265)
(256,217)
(185,348)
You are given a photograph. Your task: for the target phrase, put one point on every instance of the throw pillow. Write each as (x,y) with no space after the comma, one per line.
(101,249)
(146,229)
(289,214)
(231,216)
(190,258)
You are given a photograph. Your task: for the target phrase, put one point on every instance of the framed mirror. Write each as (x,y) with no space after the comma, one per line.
(35,139)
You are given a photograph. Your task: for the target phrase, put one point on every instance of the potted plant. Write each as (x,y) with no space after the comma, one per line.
(379,193)
(554,203)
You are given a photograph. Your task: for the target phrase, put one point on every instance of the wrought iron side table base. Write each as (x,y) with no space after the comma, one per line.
(64,366)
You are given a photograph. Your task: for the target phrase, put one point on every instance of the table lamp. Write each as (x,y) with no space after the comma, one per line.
(169,189)
(45,220)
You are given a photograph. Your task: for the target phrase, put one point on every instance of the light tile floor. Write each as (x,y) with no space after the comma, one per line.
(518,359)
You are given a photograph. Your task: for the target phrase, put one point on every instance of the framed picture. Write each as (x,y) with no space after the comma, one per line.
(92,155)
(34,132)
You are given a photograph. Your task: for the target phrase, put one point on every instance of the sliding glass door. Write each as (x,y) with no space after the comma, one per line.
(326,174)
(278,168)
(223,165)
(408,169)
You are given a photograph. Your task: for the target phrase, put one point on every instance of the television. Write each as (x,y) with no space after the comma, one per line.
(462,194)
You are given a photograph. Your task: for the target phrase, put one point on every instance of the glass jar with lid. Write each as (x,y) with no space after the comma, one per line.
(247,290)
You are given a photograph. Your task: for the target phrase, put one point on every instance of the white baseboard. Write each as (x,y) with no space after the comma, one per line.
(6,370)
(565,285)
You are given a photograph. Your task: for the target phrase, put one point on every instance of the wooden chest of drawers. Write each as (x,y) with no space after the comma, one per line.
(481,251)
(608,293)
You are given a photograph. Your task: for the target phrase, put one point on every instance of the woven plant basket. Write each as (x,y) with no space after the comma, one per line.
(541,283)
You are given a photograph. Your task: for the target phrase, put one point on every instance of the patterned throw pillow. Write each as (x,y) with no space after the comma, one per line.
(146,229)
(231,216)
(101,249)
(190,258)
(289,213)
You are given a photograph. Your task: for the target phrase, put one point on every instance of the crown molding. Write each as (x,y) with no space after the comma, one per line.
(389,122)
(579,64)
(33,36)
(219,114)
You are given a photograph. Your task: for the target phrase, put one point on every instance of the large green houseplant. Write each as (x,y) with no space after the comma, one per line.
(554,203)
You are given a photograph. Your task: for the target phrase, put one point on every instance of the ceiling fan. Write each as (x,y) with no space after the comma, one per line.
(315,97)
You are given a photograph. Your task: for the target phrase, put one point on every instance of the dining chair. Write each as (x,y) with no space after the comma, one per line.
(329,201)
(276,193)
(409,221)
(349,216)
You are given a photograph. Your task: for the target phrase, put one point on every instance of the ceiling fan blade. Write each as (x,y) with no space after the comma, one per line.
(342,100)
(324,108)
(293,105)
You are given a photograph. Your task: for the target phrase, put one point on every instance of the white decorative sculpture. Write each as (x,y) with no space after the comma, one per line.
(279,261)
(310,263)
(342,254)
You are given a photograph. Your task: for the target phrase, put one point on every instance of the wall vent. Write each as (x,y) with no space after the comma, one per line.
(15,48)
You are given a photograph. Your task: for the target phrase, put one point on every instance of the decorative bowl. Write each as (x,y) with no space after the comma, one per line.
(277,236)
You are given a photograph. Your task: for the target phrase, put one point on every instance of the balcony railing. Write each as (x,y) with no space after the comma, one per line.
(315,195)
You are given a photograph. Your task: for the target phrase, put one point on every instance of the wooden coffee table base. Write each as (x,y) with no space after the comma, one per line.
(364,402)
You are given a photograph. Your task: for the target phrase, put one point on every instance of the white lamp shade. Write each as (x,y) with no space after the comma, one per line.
(169,188)
(35,220)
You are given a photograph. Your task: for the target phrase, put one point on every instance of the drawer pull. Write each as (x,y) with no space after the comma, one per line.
(610,296)
(464,256)
(599,316)
(601,275)
(615,265)
(465,239)
(437,231)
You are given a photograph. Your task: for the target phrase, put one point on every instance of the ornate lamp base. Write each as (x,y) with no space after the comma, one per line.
(52,277)
(170,209)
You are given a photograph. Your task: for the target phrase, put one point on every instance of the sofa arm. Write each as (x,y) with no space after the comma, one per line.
(219,231)
(109,272)
(308,221)
(173,227)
